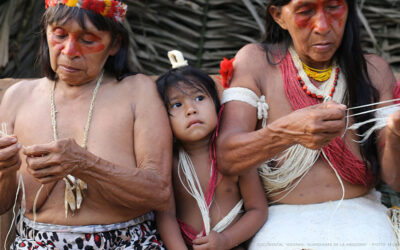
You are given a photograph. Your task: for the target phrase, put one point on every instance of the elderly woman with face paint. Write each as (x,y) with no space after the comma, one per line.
(79,148)
(296,109)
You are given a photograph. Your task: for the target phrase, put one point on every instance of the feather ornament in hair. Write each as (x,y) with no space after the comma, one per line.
(226,72)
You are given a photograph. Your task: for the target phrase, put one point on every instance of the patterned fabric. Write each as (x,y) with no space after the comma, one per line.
(137,234)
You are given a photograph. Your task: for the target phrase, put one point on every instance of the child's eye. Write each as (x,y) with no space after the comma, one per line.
(199,98)
(176,105)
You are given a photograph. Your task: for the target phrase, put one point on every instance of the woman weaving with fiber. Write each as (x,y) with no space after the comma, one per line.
(92,179)
(316,116)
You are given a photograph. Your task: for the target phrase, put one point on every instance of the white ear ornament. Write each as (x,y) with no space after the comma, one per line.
(176,58)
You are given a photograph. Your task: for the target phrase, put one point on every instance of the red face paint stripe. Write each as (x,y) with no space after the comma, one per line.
(73,45)
(308,14)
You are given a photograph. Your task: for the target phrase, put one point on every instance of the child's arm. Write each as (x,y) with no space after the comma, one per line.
(169,228)
(256,212)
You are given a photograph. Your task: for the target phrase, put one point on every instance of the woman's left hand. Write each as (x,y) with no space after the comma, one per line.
(393,124)
(54,161)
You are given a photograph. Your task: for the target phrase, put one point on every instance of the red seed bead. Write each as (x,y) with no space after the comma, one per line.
(333,89)
(331,94)
(304,87)
(320,97)
(298,77)
(313,95)
(308,92)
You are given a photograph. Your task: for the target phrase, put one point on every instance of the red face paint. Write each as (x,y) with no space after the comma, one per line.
(320,14)
(75,43)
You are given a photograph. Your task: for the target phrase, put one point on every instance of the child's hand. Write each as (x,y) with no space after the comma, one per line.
(213,241)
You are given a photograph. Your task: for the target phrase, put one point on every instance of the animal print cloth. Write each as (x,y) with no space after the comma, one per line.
(139,233)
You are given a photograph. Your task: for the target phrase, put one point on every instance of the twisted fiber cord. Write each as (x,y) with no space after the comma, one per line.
(204,202)
(186,166)
(20,186)
(53,113)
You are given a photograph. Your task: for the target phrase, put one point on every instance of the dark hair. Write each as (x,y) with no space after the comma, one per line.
(352,63)
(191,77)
(116,65)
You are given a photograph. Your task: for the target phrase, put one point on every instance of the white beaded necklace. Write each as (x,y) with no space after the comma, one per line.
(326,87)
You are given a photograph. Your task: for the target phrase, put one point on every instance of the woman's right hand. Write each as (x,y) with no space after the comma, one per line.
(9,156)
(314,126)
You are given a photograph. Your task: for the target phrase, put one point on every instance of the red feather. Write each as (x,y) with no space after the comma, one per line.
(396,90)
(226,72)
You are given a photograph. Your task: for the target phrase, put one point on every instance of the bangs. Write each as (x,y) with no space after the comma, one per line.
(183,83)
(185,78)
(60,15)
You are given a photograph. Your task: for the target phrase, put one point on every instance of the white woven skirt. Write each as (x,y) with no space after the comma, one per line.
(358,223)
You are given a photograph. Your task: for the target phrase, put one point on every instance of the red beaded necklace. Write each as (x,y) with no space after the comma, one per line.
(320,97)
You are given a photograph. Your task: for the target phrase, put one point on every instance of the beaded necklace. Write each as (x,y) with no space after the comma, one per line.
(320,75)
(326,89)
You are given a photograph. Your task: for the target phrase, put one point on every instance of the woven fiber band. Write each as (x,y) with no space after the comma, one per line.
(108,8)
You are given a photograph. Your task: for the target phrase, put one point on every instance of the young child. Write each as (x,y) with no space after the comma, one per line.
(207,211)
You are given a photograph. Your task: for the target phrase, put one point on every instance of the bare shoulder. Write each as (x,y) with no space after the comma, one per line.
(249,67)
(251,57)
(19,92)
(380,73)
(17,95)
(138,82)
(139,87)
(375,61)
(251,52)
(143,95)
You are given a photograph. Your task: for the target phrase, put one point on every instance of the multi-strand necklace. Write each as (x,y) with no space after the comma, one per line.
(326,89)
(72,199)
(320,75)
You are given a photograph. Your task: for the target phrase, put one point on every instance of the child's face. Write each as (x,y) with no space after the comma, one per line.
(192,113)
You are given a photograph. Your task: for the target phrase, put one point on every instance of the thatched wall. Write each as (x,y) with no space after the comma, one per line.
(206,31)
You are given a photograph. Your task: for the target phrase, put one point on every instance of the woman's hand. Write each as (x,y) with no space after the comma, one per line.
(9,157)
(393,124)
(54,161)
(314,126)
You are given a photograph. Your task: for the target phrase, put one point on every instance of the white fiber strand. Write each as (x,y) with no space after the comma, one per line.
(185,165)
